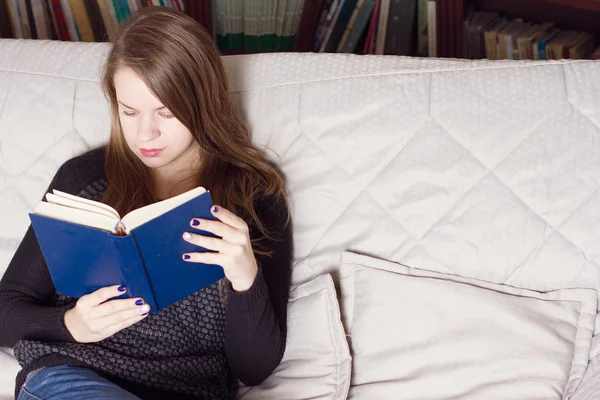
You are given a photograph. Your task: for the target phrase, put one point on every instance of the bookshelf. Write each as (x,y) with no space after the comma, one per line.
(294,24)
(569,14)
(576,15)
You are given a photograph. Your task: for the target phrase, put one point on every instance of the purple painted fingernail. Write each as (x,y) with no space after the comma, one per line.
(139,302)
(195,222)
(122,288)
(186,256)
(215,209)
(143,315)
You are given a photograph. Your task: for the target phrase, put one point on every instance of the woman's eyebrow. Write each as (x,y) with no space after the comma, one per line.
(125,105)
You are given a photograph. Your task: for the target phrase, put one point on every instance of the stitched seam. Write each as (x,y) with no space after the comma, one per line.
(30,394)
(31,375)
(333,339)
(575,348)
(421,71)
(49,75)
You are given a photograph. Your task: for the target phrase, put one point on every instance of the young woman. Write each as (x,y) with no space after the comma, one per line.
(173,128)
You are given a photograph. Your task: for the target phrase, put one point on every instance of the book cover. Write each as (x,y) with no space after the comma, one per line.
(148,260)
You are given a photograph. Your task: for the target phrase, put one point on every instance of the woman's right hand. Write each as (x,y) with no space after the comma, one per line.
(94,318)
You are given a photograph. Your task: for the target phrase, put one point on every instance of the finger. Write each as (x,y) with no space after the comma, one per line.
(101,295)
(121,317)
(229,218)
(116,306)
(119,326)
(205,258)
(207,242)
(218,228)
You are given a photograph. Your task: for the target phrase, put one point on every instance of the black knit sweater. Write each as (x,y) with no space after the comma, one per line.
(195,348)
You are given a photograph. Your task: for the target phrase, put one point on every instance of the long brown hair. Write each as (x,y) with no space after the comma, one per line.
(180,64)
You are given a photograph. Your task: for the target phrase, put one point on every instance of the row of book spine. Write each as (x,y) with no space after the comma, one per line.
(494,36)
(370,26)
(70,20)
(435,28)
(256,26)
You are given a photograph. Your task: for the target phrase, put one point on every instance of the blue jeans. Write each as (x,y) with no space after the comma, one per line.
(62,382)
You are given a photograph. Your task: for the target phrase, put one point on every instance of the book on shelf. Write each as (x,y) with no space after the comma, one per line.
(87,245)
(72,20)
(400,27)
(525,41)
(434,28)
(356,26)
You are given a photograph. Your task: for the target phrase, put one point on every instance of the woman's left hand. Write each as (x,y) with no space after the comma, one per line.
(233,248)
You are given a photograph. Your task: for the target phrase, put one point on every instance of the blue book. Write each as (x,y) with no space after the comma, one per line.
(87,246)
(544,41)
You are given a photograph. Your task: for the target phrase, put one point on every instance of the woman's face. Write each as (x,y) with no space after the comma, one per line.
(151,131)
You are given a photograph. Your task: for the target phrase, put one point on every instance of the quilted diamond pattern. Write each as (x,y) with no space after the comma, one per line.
(485,169)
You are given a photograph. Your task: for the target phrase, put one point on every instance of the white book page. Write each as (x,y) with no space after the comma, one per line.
(144,214)
(93,203)
(77,216)
(63,201)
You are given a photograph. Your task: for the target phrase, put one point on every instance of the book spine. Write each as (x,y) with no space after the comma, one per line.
(382,27)
(432,28)
(30,19)
(6,30)
(359,26)
(15,18)
(133,270)
(349,25)
(422,38)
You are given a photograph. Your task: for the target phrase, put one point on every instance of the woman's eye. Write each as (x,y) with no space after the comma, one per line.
(129,114)
(166,116)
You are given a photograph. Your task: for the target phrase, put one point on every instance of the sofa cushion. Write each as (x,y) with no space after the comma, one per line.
(316,363)
(417,334)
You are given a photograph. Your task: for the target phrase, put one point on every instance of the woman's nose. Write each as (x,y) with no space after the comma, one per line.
(147,129)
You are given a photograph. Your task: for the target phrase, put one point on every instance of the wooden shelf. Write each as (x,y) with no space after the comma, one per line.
(581,15)
(588,5)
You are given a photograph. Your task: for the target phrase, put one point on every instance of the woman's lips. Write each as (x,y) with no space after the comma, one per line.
(150,152)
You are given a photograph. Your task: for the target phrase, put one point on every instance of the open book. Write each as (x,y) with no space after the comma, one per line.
(87,245)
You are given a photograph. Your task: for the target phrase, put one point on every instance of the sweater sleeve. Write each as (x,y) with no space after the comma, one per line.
(256,324)
(27,310)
